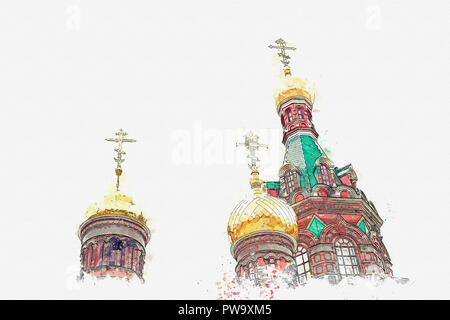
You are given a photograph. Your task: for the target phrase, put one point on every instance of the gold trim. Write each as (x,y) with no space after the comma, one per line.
(287,94)
(139,217)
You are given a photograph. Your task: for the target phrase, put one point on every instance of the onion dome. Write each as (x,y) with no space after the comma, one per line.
(261,213)
(116,204)
(295,87)
(115,233)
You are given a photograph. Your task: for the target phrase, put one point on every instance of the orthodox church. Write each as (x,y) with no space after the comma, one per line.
(115,233)
(314,221)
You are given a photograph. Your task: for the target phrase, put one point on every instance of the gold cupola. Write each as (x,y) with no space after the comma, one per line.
(116,203)
(114,234)
(294,87)
(261,212)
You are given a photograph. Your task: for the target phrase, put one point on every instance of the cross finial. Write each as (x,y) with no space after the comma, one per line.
(281,46)
(252,144)
(120,139)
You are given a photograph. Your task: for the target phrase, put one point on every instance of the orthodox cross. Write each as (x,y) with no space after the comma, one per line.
(120,139)
(252,145)
(281,46)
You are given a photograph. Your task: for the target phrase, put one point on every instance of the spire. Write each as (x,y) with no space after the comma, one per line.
(120,139)
(252,145)
(281,46)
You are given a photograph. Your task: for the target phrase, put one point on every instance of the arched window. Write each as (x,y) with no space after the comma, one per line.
(303,268)
(322,192)
(282,185)
(303,113)
(300,113)
(325,174)
(115,253)
(299,197)
(346,258)
(105,260)
(84,259)
(308,114)
(89,256)
(291,180)
(289,115)
(134,260)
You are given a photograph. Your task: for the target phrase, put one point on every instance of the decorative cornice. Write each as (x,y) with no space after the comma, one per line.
(102,221)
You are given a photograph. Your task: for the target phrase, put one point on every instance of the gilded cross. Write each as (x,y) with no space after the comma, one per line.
(252,144)
(120,139)
(281,46)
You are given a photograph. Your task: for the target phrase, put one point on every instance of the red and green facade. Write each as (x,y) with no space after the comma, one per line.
(338,227)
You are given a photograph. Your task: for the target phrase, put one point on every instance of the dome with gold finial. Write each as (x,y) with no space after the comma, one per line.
(117,204)
(115,233)
(261,213)
(295,87)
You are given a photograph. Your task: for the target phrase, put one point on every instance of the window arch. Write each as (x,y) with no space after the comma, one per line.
(303,268)
(325,174)
(346,258)
(291,180)
(84,258)
(307,114)
(289,114)
(322,192)
(303,113)
(300,112)
(282,186)
(89,256)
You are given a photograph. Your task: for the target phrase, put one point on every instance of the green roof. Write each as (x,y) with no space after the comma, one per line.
(310,152)
(273,184)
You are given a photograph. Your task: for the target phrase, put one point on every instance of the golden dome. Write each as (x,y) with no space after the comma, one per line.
(262,212)
(295,88)
(116,203)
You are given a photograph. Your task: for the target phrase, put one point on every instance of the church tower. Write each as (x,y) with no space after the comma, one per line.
(338,227)
(115,233)
(263,232)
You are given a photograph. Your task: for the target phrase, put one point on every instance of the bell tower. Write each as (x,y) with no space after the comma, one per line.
(338,227)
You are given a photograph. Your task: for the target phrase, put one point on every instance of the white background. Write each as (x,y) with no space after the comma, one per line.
(73,72)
